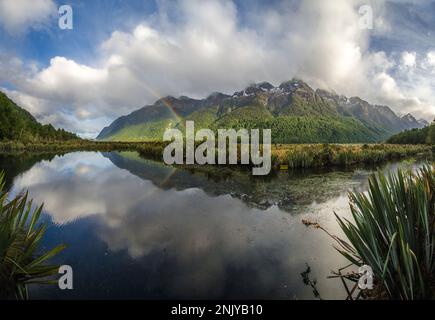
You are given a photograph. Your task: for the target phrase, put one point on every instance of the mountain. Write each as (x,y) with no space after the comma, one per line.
(294,111)
(423,123)
(372,115)
(19,125)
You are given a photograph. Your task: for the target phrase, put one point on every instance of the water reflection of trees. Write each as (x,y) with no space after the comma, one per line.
(287,190)
(16,164)
(284,189)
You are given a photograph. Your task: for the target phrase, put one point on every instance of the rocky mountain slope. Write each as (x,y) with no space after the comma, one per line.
(294,111)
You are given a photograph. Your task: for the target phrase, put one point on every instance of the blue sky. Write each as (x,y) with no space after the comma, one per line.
(122,55)
(94,21)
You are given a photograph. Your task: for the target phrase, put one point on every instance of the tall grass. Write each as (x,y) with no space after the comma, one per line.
(21,260)
(394,232)
(318,156)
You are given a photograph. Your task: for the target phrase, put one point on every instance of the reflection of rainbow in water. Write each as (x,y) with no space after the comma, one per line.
(162,183)
(159,182)
(165,101)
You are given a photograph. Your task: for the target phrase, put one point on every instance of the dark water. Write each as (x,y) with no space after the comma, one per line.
(139,229)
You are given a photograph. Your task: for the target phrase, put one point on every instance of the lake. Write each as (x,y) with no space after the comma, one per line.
(138,229)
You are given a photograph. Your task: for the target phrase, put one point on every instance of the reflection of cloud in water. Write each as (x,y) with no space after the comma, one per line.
(206,245)
(207,239)
(71,187)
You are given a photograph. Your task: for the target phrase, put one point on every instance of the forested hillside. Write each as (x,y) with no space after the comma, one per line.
(19,125)
(415,136)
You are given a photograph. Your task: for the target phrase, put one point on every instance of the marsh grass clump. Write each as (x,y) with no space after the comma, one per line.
(345,155)
(393,231)
(300,159)
(21,260)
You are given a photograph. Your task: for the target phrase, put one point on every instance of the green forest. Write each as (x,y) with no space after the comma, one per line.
(19,125)
(285,128)
(415,136)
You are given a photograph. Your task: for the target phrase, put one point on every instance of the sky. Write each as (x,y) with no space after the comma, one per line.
(122,55)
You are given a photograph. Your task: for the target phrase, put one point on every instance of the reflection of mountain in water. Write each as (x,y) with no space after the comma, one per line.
(148,240)
(284,189)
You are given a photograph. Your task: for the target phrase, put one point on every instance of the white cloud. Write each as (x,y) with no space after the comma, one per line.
(409,59)
(207,48)
(19,15)
(429,62)
(431,58)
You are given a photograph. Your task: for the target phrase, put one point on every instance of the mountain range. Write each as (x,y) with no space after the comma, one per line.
(294,111)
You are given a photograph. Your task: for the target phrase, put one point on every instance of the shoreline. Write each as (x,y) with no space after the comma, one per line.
(284,156)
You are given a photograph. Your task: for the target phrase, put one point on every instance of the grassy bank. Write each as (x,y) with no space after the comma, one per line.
(295,156)
(329,155)
(146,149)
(75,145)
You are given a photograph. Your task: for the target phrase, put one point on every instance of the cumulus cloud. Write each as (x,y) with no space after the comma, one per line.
(429,62)
(409,59)
(196,47)
(19,15)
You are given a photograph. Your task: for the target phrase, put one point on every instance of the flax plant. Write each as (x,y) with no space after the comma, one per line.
(21,260)
(393,231)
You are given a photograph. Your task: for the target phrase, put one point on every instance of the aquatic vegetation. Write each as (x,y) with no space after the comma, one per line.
(393,231)
(344,155)
(306,279)
(21,261)
(300,159)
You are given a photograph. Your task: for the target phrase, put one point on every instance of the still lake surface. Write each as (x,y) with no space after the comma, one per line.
(137,229)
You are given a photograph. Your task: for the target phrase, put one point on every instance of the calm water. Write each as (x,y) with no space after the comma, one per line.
(138,229)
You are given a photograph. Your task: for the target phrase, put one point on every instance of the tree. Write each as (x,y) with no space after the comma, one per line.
(431,135)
